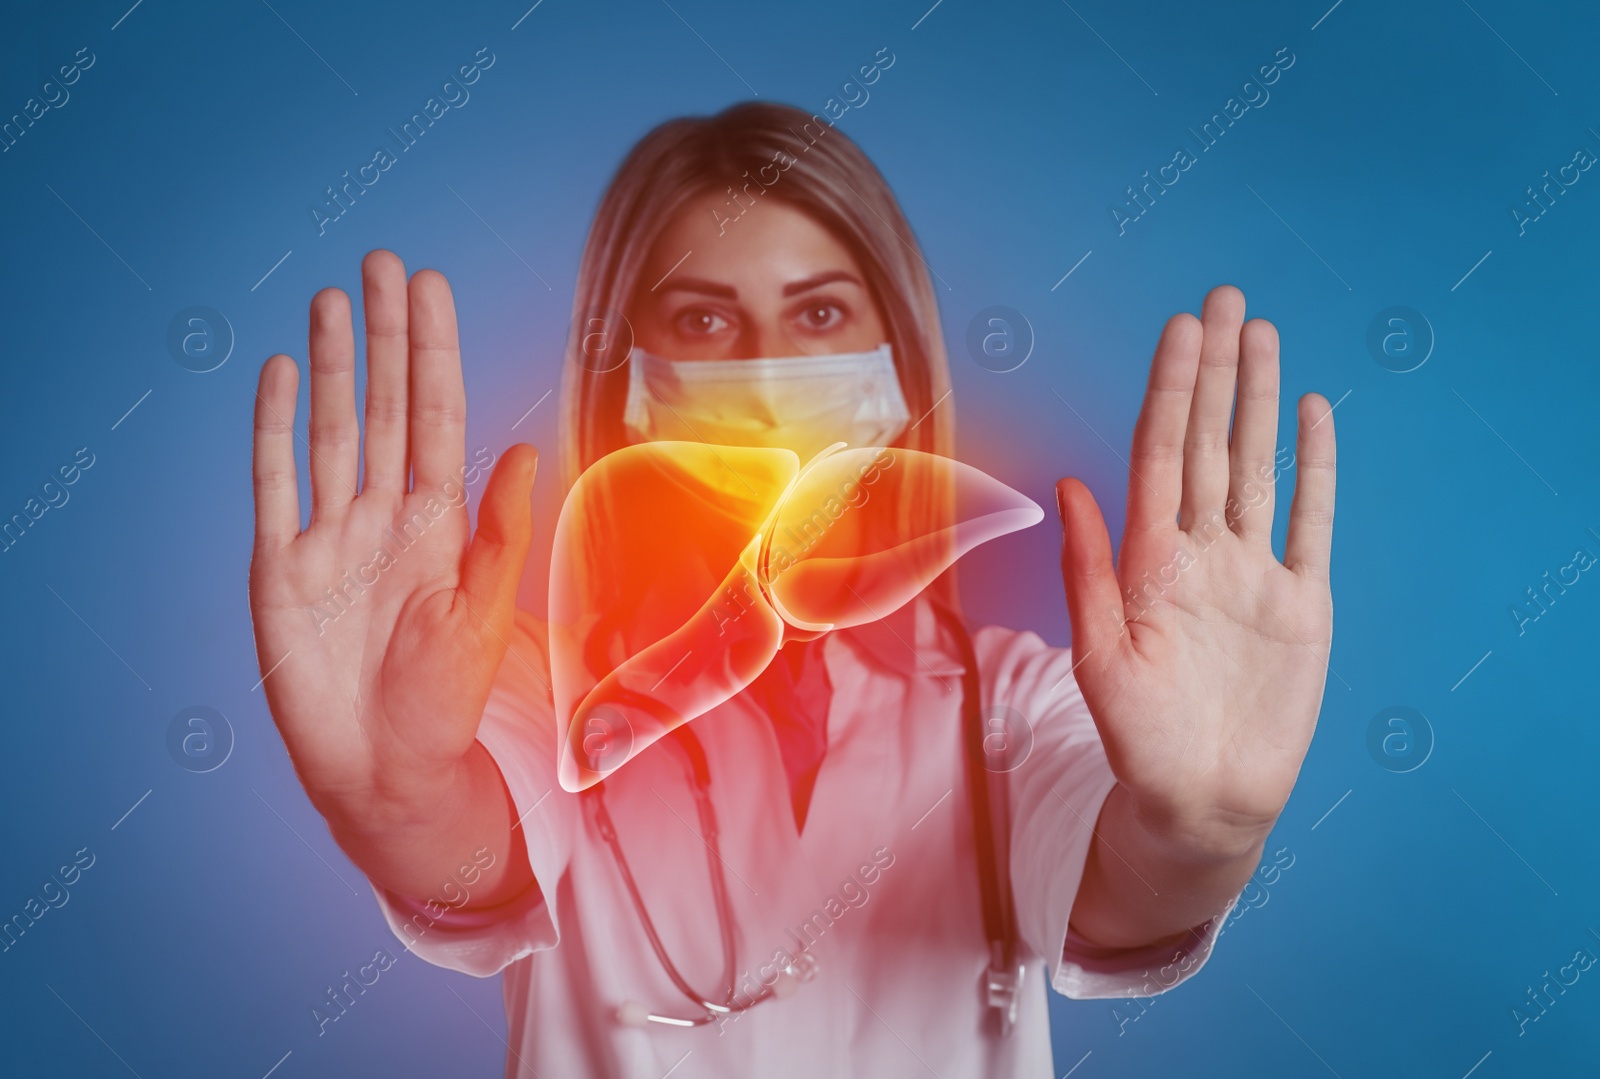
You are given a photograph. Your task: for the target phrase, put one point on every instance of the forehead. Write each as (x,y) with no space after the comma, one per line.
(769,243)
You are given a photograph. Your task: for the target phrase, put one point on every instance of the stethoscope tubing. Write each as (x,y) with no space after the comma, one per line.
(699,779)
(633,1014)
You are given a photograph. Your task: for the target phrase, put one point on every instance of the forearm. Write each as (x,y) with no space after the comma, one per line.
(448,837)
(1148,880)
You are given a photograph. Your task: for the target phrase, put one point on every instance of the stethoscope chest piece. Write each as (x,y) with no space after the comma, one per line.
(792,977)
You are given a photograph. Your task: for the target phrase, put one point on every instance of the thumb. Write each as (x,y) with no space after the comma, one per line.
(1094,596)
(494,560)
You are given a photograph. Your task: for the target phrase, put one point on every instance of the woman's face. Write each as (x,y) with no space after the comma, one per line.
(770,283)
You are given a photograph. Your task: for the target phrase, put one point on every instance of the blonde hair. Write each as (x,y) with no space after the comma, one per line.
(816,169)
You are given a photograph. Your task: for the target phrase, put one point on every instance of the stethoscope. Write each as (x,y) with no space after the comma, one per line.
(632,1013)
(1002,979)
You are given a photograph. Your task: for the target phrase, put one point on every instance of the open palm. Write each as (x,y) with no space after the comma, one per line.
(377,627)
(1202,658)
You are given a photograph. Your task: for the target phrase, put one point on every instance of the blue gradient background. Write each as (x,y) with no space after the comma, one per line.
(1415,914)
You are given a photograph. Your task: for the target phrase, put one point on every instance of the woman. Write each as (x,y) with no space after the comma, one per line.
(804,868)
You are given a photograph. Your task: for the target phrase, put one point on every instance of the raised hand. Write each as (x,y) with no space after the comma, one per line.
(379,627)
(1202,658)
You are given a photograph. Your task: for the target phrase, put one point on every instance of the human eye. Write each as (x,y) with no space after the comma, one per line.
(821,315)
(699,321)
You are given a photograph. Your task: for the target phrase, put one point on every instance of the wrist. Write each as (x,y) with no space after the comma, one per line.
(1200,836)
(395,800)
(414,833)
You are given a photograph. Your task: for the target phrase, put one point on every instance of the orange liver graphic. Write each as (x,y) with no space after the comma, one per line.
(679,569)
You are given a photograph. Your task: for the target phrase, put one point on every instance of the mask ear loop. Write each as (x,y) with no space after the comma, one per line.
(633,399)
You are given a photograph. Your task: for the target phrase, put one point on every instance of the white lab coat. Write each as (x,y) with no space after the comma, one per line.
(900,951)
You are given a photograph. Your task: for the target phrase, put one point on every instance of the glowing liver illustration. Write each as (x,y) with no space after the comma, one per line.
(679,569)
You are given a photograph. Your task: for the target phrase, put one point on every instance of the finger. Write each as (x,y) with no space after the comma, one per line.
(493,563)
(1094,598)
(272,467)
(1155,482)
(383,294)
(1311,515)
(1251,471)
(335,437)
(1205,447)
(438,402)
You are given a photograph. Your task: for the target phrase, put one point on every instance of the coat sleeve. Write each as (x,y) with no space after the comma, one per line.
(519,731)
(1058,779)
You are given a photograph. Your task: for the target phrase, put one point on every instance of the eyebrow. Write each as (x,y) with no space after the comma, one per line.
(714,288)
(700,284)
(818,280)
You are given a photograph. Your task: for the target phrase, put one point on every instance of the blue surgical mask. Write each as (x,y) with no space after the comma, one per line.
(800,403)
